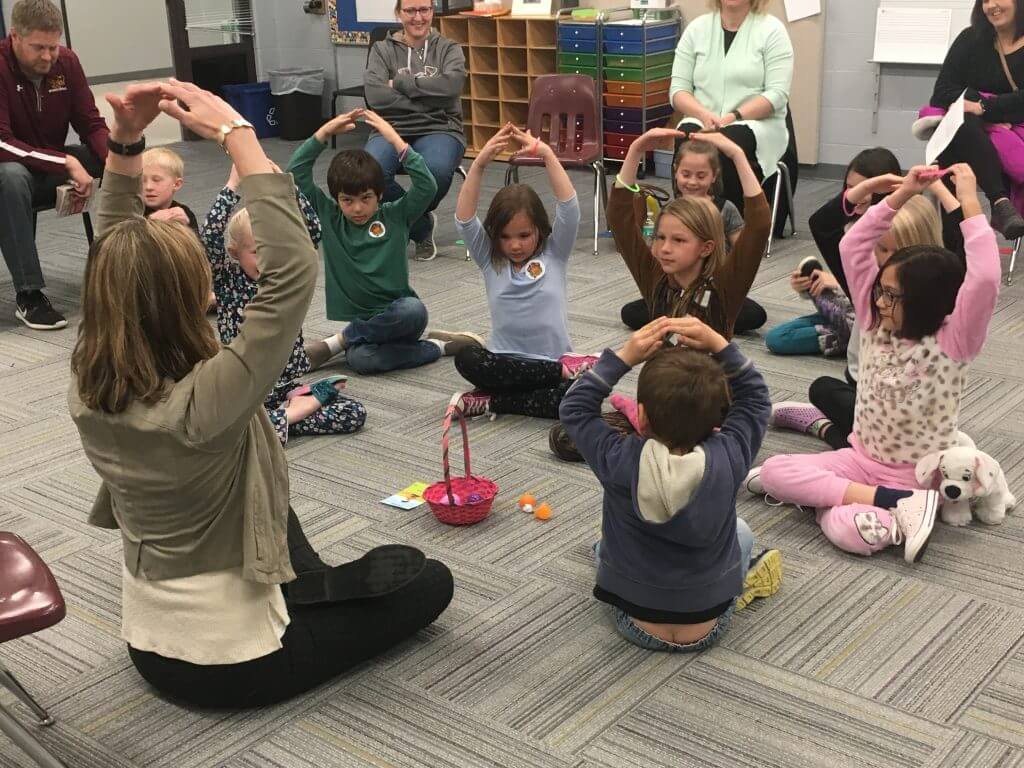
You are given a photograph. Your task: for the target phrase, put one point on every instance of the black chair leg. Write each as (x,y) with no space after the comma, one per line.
(87,223)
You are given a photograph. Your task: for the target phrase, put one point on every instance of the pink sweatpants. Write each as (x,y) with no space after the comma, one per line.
(820,480)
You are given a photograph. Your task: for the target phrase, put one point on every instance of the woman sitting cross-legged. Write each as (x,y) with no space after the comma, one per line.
(192,471)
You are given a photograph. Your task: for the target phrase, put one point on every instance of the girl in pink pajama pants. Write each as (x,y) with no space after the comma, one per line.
(921,322)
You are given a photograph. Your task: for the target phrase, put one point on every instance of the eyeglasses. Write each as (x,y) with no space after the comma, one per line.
(424,10)
(886,297)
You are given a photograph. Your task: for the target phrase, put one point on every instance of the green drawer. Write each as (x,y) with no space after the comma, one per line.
(638,75)
(637,62)
(578,59)
(573,70)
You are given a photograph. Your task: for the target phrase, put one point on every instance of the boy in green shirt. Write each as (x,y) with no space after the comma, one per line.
(365,263)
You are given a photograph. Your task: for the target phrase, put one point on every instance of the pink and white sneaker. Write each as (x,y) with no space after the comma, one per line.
(475,403)
(574,366)
(799,417)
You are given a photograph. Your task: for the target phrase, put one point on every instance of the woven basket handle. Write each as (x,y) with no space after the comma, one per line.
(453,409)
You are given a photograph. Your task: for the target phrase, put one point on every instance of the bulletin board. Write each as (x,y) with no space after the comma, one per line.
(808,38)
(352,20)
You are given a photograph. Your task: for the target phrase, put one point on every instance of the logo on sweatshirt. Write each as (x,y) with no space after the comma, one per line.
(377,229)
(56,84)
(535,269)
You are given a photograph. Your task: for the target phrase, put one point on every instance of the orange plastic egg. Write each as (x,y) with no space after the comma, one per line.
(527,499)
(543,512)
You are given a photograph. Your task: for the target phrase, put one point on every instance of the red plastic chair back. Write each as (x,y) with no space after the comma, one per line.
(564,113)
(30,599)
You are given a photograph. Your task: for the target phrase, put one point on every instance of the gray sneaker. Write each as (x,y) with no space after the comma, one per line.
(426,249)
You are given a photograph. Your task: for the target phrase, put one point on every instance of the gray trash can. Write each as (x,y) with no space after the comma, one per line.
(297,93)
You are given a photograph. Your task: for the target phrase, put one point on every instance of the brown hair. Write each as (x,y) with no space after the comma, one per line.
(702,217)
(708,150)
(28,16)
(756,6)
(685,395)
(352,172)
(144,298)
(506,204)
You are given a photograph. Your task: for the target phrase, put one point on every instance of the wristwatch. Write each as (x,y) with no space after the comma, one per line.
(227,128)
(126,150)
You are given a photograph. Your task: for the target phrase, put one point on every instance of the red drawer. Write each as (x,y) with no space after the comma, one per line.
(619,139)
(637,89)
(636,102)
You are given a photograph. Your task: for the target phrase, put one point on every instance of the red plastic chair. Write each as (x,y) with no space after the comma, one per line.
(30,601)
(564,113)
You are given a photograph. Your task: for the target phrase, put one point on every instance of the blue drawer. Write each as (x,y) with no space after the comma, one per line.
(578,46)
(635,49)
(632,115)
(634,33)
(577,31)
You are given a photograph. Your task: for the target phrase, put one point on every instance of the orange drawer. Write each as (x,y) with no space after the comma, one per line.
(636,102)
(615,153)
(637,89)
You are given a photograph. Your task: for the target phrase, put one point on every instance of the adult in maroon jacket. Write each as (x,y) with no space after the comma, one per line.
(43,91)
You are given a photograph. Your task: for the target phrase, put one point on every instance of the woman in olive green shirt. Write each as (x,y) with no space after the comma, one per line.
(193,474)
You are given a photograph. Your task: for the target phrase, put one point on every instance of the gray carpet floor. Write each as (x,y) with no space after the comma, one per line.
(856,662)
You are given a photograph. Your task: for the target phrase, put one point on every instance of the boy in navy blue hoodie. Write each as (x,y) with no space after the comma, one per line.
(674,559)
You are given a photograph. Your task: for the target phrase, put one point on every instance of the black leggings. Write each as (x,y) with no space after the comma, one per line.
(972,145)
(516,384)
(320,643)
(837,399)
(751,316)
(732,189)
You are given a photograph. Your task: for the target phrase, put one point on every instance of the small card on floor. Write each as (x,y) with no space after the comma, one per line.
(407,498)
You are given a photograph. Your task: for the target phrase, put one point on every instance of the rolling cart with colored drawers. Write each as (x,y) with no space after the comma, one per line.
(636,67)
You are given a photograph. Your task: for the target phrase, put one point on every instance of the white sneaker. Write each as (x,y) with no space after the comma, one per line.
(753,482)
(915,519)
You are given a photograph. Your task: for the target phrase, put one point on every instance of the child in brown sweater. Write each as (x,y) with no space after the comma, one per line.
(686,270)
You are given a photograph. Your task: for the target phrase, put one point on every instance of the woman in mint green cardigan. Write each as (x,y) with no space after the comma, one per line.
(732,72)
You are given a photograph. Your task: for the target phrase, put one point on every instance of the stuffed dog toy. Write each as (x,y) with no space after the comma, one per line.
(962,474)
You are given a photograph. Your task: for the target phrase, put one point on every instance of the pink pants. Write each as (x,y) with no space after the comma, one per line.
(820,480)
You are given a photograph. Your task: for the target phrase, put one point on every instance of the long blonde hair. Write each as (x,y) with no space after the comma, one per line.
(701,216)
(916,223)
(144,298)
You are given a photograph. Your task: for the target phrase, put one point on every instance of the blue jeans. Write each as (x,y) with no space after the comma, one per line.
(441,152)
(629,630)
(391,339)
(796,337)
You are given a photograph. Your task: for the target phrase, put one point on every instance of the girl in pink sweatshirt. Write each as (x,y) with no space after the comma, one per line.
(922,321)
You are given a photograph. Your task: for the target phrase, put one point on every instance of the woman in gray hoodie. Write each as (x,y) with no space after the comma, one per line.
(414,80)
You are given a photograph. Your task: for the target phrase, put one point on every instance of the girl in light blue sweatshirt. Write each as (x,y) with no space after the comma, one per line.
(528,363)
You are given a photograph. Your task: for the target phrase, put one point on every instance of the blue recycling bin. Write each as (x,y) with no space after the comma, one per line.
(253,102)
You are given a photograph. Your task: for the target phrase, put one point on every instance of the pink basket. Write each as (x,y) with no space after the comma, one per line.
(441,496)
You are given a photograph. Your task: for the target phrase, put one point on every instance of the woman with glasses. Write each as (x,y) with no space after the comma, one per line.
(414,80)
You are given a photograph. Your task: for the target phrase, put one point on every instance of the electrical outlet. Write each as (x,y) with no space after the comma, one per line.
(314,6)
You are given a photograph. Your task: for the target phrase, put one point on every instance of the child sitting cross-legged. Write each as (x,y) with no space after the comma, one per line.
(365,265)
(674,560)
(923,318)
(163,174)
(524,258)
(231,248)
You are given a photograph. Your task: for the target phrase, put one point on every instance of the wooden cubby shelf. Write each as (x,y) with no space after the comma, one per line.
(504,57)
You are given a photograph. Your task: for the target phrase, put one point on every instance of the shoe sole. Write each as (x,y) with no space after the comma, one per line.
(914,548)
(776,407)
(763,579)
(448,336)
(39,326)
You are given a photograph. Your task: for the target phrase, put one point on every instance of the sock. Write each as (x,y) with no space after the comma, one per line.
(334,344)
(440,344)
(627,407)
(886,498)
(819,428)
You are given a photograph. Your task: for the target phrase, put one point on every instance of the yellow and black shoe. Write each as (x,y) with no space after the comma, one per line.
(764,577)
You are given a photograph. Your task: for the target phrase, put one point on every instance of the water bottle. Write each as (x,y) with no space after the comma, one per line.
(648,228)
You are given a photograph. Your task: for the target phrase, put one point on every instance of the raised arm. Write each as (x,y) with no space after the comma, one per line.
(212,232)
(963,334)
(469,196)
(301,163)
(230,387)
(421,192)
